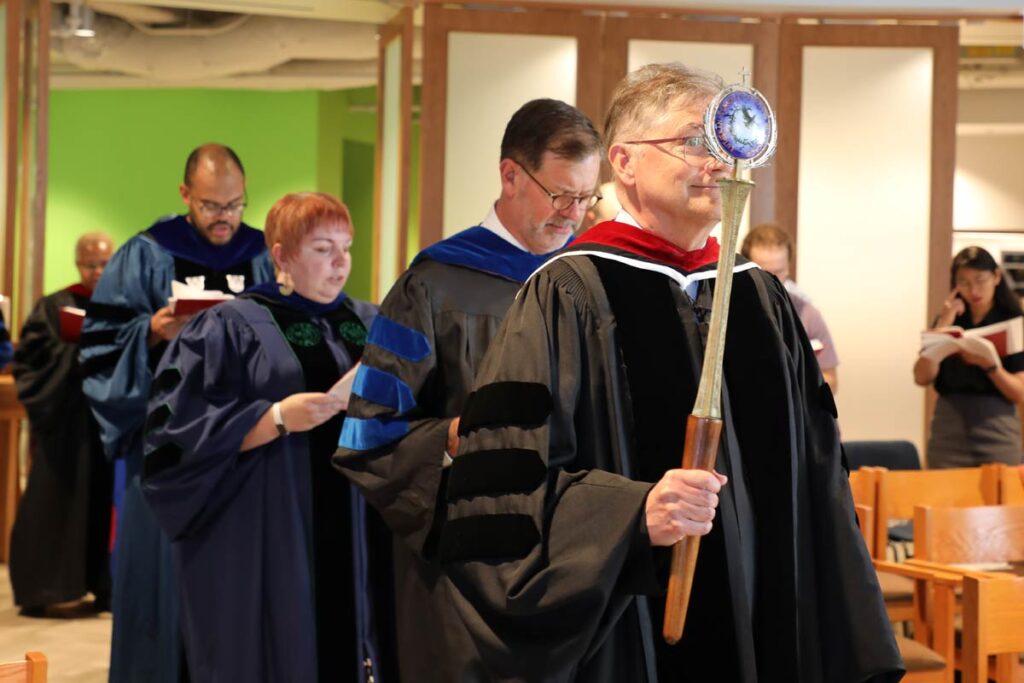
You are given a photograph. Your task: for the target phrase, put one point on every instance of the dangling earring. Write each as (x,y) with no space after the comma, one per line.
(285,284)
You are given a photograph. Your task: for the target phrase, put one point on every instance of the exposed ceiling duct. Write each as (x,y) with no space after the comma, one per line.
(143,46)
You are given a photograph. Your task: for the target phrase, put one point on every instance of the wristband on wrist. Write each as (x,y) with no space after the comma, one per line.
(275,412)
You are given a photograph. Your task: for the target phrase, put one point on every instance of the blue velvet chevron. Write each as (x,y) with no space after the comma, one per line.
(384,389)
(360,434)
(405,342)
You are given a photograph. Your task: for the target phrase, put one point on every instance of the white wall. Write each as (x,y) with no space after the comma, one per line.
(864,223)
(988,192)
(489,77)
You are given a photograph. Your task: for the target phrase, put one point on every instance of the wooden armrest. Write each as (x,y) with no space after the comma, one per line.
(959,572)
(933,572)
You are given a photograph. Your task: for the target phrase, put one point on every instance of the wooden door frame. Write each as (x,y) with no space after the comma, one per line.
(438,23)
(400,26)
(944,43)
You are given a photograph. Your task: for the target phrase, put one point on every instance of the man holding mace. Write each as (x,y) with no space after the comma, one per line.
(567,493)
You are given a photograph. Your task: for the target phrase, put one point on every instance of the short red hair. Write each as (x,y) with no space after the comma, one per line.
(297,214)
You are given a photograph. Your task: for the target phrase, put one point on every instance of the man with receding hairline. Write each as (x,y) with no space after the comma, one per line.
(126,330)
(60,539)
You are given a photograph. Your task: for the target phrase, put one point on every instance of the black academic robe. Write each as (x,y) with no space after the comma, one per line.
(580,406)
(422,354)
(59,544)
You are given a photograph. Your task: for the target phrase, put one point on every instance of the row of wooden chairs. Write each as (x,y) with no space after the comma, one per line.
(950,528)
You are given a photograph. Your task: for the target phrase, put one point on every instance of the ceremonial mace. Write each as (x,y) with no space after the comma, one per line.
(740,131)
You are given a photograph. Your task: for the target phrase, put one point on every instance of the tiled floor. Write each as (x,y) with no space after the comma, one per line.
(77,649)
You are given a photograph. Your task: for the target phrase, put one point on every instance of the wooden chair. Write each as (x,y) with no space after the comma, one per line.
(897,590)
(929,655)
(993,533)
(1011,485)
(993,624)
(31,670)
(900,491)
(946,537)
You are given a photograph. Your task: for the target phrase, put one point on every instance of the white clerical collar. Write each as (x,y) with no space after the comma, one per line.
(624,216)
(493,223)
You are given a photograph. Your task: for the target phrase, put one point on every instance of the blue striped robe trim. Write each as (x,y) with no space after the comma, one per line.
(360,434)
(405,342)
(383,388)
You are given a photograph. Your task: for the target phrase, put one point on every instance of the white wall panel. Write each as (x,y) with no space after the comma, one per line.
(865,166)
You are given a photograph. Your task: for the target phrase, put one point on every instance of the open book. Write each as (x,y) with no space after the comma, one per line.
(186,300)
(994,341)
(71,320)
(343,387)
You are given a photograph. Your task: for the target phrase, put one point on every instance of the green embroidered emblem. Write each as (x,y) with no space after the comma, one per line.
(352,332)
(303,334)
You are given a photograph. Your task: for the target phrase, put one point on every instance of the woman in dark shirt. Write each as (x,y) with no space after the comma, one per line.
(975,419)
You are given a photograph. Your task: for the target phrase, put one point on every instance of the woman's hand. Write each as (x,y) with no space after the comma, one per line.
(981,361)
(952,307)
(302,412)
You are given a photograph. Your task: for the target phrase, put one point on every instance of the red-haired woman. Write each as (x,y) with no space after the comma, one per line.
(270,543)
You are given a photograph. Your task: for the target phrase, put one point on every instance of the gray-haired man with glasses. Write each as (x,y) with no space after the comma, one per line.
(128,324)
(423,351)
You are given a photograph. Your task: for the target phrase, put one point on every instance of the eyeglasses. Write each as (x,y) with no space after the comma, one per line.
(91,265)
(979,281)
(561,202)
(211,209)
(693,148)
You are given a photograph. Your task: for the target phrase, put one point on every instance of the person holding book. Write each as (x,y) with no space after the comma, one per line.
(979,387)
(127,327)
(61,534)
(243,423)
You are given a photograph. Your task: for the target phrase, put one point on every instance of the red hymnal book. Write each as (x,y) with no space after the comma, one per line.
(190,306)
(71,320)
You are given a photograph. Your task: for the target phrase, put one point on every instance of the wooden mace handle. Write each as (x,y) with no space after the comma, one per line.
(699,453)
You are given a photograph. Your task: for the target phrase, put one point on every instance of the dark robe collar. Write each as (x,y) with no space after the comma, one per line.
(647,245)
(177,236)
(78,289)
(480,249)
(271,291)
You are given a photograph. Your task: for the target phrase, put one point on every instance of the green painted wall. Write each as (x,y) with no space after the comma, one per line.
(117,157)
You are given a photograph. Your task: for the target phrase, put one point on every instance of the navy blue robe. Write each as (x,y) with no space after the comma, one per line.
(243,526)
(117,364)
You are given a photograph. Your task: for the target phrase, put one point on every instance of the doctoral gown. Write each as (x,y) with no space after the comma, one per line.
(60,540)
(118,367)
(581,405)
(424,349)
(270,545)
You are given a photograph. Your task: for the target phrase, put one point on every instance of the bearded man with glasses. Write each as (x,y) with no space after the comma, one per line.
(127,327)
(425,346)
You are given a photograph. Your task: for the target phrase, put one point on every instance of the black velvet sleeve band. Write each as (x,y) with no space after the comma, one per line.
(506,404)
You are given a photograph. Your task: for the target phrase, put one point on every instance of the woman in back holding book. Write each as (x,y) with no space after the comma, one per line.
(975,419)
